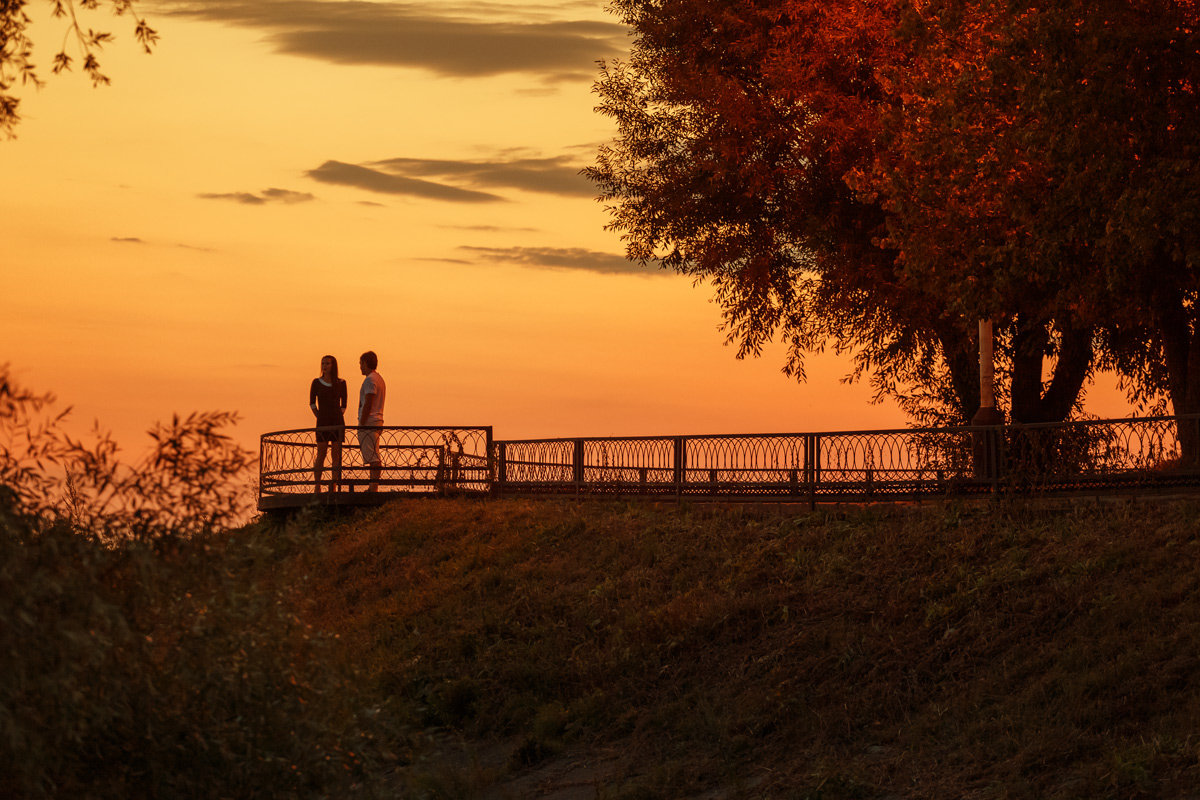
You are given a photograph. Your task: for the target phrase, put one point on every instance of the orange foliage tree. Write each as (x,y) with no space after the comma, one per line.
(738,124)
(959,190)
(879,174)
(1041,169)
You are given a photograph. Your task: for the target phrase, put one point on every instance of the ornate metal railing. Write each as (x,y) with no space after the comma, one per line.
(1161,452)
(412,459)
(860,465)
(1095,456)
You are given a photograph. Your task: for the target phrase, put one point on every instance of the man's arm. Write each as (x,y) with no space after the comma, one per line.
(368,404)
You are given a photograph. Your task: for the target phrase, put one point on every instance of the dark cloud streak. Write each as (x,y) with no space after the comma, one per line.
(285,196)
(489,229)
(572,258)
(472,40)
(355,175)
(557,175)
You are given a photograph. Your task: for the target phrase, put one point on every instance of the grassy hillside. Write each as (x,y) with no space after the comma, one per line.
(639,651)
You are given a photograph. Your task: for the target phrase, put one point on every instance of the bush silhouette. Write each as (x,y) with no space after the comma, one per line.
(146,649)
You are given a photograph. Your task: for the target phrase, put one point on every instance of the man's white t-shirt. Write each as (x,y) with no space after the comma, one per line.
(372,384)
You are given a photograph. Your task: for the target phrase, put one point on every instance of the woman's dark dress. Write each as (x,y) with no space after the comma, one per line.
(331,404)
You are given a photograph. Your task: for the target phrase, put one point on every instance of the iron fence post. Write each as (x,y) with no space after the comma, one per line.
(999,454)
(577,466)
(262,464)
(1195,460)
(497,461)
(680,463)
(812,467)
(502,464)
(439,477)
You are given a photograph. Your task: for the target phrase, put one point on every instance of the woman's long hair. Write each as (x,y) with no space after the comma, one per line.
(333,373)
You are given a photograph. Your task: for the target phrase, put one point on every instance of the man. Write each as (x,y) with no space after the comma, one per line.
(370,415)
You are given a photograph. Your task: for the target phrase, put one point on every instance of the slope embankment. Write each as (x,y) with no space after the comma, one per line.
(690,651)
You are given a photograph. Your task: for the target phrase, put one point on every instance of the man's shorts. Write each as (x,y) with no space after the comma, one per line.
(368,444)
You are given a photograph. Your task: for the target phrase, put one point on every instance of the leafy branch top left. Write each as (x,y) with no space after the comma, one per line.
(79,43)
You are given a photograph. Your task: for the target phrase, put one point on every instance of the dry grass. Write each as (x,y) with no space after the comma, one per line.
(936,652)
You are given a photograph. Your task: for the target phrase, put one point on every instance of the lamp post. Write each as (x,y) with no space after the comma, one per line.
(986,443)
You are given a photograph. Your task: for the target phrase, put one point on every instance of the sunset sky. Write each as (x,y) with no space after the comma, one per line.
(287,178)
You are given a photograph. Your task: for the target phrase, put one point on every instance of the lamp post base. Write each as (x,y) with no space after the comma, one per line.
(985,444)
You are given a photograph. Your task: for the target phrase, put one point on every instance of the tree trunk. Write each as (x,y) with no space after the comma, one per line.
(1029,347)
(961,354)
(1030,404)
(1181,351)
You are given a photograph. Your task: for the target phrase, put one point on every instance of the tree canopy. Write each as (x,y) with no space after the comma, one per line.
(17,65)
(878,175)
(1053,149)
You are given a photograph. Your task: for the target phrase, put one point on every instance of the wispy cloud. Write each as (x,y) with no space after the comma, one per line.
(373,180)
(488,228)
(143,242)
(286,196)
(552,175)
(262,198)
(573,258)
(464,39)
(459,181)
(431,259)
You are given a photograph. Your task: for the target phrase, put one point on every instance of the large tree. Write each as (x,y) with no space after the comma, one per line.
(17,65)
(1134,109)
(969,203)
(1056,144)
(755,150)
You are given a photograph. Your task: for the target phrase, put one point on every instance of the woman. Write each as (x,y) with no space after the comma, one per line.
(327,398)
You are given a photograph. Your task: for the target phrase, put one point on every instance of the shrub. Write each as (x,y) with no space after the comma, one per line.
(147,652)
(195,478)
(160,668)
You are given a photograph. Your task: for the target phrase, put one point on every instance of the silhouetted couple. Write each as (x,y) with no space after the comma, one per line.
(327,398)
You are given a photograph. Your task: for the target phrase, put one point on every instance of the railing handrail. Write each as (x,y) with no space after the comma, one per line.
(868,432)
(311,429)
(763,434)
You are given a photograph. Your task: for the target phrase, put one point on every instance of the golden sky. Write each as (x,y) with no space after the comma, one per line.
(283,179)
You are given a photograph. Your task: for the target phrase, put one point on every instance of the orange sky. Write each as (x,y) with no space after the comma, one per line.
(287,178)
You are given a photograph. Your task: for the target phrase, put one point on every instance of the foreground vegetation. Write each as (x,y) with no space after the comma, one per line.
(933,652)
(440,648)
(167,667)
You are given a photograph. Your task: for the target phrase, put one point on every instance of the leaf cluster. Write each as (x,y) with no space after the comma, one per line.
(195,479)
(738,131)
(79,42)
(1026,136)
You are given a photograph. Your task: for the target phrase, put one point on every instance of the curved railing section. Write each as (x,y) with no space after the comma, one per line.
(1092,456)
(412,459)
